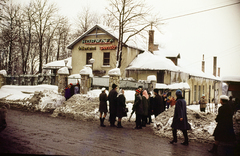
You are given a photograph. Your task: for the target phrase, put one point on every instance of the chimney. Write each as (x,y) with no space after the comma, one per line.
(218,71)
(151,40)
(215,66)
(203,64)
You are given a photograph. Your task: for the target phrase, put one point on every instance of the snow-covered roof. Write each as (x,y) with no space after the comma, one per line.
(231,78)
(149,61)
(167,53)
(59,64)
(135,42)
(181,85)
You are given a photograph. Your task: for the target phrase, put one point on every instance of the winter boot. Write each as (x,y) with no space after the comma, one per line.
(103,122)
(214,149)
(119,125)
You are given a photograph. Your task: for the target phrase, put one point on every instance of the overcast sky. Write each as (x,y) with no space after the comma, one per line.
(213,31)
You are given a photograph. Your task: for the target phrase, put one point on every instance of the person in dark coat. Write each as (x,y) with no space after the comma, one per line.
(139,109)
(164,97)
(145,102)
(120,107)
(103,106)
(72,89)
(150,102)
(3,116)
(180,120)
(112,98)
(158,104)
(224,130)
(68,92)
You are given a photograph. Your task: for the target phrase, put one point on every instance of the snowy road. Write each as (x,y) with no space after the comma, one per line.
(38,133)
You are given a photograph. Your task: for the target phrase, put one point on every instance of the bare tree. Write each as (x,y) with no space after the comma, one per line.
(9,28)
(85,20)
(133,18)
(43,18)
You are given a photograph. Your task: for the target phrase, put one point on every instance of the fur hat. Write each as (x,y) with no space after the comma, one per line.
(155,90)
(114,86)
(103,89)
(224,97)
(178,93)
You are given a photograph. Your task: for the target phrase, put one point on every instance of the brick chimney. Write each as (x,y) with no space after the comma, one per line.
(151,41)
(218,71)
(215,66)
(203,64)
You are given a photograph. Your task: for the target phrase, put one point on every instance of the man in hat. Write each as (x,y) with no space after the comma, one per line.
(112,98)
(203,103)
(138,106)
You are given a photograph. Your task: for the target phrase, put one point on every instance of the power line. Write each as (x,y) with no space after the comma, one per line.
(199,11)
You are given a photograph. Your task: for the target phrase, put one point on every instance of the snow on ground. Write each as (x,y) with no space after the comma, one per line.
(85,107)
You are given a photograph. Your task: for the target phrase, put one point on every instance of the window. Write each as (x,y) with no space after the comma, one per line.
(106,58)
(160,76)
(88,57)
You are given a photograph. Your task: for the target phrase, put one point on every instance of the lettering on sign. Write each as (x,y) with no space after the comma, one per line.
(87,48)
(109,47)
(98,41)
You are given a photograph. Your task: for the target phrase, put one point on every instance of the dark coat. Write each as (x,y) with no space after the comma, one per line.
(67,93)
(145,102)
(180,112)
(150,106)
(224,129)
(3,114)
(103,102)
(138,105)
(158,105)
(120,105)
(112,98)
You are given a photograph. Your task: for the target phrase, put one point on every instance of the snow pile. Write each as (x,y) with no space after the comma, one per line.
(43,98)
(79,107)
(151,78)
(202,124)
(3,72)
(63,70)
(87,70)
(114,72)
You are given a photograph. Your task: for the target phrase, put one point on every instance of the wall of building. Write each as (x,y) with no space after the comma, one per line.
(79,56)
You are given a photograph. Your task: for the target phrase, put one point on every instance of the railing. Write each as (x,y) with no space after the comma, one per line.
(50,79)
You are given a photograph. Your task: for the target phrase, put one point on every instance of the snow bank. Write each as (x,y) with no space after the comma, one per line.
(203,125)
(43,98)
(87,70)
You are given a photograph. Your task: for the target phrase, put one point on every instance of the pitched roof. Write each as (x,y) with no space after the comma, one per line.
(133,43)
(149,61)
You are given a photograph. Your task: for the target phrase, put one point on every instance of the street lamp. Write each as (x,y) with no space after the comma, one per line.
(65,61)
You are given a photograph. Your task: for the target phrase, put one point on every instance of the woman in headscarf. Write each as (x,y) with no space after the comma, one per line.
(120,107)
(145,102)
(224,131)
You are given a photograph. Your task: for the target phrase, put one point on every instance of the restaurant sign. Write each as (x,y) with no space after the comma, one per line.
(108,47)
(86,48)
(98,41)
